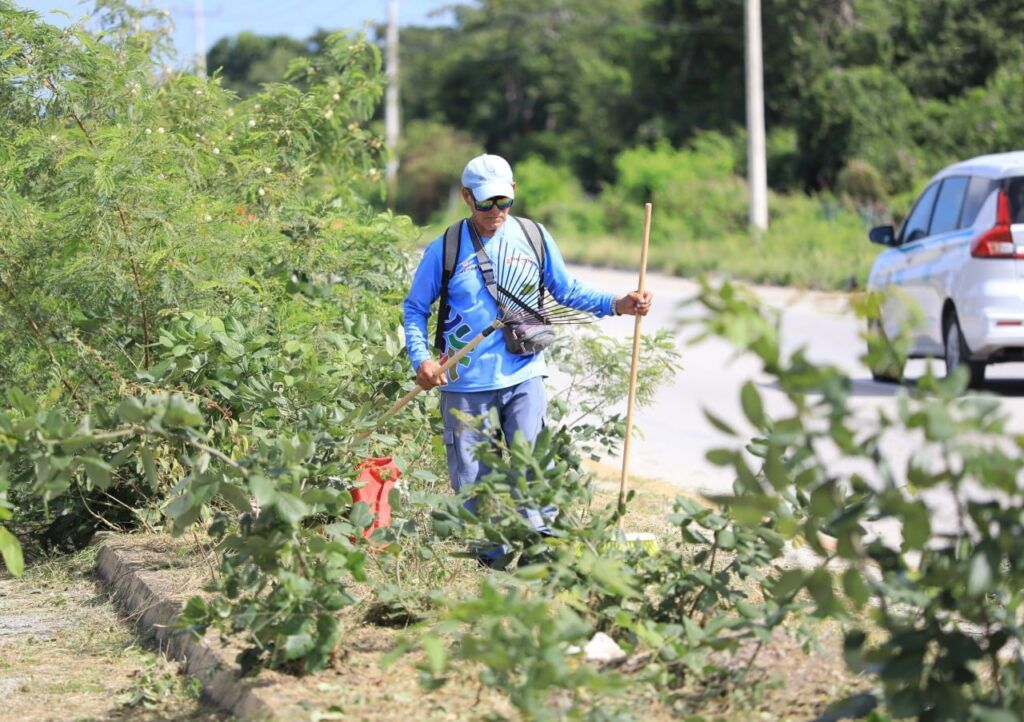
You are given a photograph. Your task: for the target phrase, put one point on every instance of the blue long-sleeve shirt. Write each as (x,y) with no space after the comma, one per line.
(489,366)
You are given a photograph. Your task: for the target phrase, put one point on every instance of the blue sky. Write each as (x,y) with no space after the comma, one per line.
(298,18)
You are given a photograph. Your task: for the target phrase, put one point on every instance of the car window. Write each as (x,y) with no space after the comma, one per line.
(947,206)
(916,225)
(977,191)
(1015,192)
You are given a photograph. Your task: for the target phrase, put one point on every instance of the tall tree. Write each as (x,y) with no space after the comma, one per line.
(690,74)
(944,47)
(533,77)
(247,61)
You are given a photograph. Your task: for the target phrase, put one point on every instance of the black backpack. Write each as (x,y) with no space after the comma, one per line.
(452,244)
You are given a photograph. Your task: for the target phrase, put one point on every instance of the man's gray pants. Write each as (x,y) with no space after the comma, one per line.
(520,408)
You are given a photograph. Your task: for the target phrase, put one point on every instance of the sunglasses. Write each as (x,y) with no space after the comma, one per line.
(503,204)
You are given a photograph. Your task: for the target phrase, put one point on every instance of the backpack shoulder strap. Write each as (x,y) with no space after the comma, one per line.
(450,253)
(531,229)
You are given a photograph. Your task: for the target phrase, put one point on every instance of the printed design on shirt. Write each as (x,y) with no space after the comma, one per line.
(457,334)
(516,258)
(465,267)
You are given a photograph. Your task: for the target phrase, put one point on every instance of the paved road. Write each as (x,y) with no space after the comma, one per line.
(677,436)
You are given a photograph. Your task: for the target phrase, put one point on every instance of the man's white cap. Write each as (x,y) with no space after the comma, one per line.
(488,176)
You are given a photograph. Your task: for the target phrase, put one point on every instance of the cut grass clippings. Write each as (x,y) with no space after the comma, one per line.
(66,653)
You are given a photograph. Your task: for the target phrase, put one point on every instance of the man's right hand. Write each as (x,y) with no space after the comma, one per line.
(429,375)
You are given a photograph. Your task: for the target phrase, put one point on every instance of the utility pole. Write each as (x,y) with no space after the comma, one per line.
(392,127)
(757,171)
(199,24)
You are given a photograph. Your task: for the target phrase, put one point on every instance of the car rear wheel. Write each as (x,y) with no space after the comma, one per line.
(957,354)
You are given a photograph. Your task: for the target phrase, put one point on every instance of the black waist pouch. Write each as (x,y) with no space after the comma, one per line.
(526,339)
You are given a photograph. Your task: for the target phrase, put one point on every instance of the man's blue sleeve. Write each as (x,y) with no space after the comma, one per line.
(426,286)
(569,291)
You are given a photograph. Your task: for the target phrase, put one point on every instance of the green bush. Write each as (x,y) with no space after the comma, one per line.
(701,222)
(552,195)
(430,175)
(200,315)
(985,120)
(694,189)
(861,181)
(782,152)
(863,113)
(934,613)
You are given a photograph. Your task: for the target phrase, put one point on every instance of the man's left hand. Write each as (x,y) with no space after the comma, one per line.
(634,303)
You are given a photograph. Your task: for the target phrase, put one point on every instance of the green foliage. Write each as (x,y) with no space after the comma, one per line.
(685,586)
(864,113)
(700,222)
(530,79)
(247,61)
(525,646)
(782,157)
(199,315)
(705,602)
(862,182)
(943,48)
(265,578)
(943,601)
(432,158)
(541,475)
(168,192)
(689,70)
(685,610)
(526,631)
(552,195)
(695,190)
(579,83)
(985,119)
(14,561)
(599,368)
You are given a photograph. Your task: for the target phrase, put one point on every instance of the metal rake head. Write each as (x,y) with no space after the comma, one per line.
(519,294)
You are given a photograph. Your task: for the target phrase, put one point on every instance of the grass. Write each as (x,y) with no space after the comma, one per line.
(66,653)
(823,255)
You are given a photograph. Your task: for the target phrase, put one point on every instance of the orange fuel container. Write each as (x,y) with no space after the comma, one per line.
(374,482)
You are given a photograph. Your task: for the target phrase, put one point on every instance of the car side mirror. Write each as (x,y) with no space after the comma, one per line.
(883,235)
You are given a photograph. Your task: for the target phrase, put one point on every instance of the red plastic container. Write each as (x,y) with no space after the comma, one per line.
(374,482)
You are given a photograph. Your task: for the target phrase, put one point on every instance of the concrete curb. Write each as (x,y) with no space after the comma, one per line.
(137,590)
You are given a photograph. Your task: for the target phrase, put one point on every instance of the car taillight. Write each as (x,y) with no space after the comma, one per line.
(997,241)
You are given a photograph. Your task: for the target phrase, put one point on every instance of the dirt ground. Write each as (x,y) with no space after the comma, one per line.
(783,681)
(66,654)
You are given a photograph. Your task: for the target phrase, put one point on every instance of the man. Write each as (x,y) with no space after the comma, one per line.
(491,376)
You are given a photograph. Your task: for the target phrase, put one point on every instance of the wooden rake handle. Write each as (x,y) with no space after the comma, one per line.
(445,367)
(634,369)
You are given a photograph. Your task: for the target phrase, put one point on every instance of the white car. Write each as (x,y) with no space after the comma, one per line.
(959,257)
